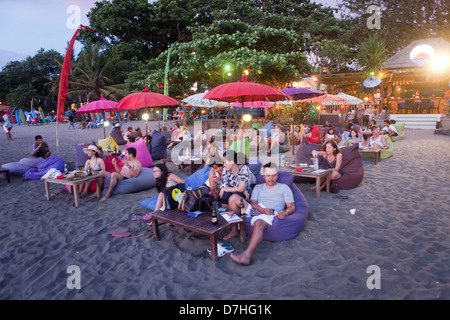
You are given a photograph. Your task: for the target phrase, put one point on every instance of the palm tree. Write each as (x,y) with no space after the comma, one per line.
(95,74)
(372,55)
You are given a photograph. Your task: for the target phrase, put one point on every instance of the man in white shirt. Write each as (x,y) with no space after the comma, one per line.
(389,129)
(268,200)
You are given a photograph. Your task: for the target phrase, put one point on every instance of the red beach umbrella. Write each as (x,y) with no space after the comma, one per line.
(144,99)
(102,105)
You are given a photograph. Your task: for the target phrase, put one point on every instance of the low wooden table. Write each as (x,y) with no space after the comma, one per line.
(201,224)
(73,184)
(310,173)
(6,173)
(376,154)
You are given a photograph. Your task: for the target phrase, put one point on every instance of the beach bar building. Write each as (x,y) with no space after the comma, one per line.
(415,83)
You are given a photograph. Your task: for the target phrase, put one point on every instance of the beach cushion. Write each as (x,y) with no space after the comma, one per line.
(400,130)
(290,227)
(159,146)
(143,181)
(142,153)
(387,153)
(303,154)
(150,203)
(269,127)
(315,135)
(198,178)
(108,143)
(31,161)
(16,168)
(56,162)
(118,138)
(352,169)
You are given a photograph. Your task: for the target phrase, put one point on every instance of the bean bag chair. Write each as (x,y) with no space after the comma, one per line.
(255,168)
(118,138)
(109,166)
(290,227)
(16,168)
(269,127)
(400,130)
(303,154)
(150,203)
(352,169)
(142,153)
(81,157)
(31,161)
(198,178)
(387,153)
(108,143)
(42,168)
(143,181)
(284,147)
(315,135)
(236,146)
(159,146)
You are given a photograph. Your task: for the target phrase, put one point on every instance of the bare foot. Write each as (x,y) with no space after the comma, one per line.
(93,195)
(242,258)
(104,198)
(232,234)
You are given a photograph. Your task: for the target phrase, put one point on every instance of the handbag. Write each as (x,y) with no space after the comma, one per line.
(172,196)
(196,200)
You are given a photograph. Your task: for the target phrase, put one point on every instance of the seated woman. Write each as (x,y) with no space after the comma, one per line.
(174,139)
(164,181)
(333,160)
(128,132)
(352,139)
(236,178)
(95,162)
(330,135)
(212,152)
(276,139)
(299,134)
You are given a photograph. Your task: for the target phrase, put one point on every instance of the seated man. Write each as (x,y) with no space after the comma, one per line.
(389,129)
(131,169)
(376,141)
(40,148)
(267,200)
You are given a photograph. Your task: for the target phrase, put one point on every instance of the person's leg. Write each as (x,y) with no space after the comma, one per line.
(258,230)
(115,177)
(233,204)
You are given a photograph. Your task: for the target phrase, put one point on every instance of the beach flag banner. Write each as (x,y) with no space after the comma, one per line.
(64,80)
(165,110)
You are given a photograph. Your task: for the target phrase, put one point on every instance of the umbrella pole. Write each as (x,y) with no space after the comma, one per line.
(292,128)
(57,136)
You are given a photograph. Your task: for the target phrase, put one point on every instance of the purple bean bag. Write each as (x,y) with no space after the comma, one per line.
(16,168)
(290,227)
(42,168)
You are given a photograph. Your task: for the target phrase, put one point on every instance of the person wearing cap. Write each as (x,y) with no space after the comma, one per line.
(97,164)
(131,169)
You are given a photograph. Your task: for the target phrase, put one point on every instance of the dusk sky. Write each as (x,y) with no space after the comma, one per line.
(28,25)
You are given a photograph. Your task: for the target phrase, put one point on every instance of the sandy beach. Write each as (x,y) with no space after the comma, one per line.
(401,225)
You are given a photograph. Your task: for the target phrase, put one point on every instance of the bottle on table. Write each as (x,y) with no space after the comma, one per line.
(316,162)
(214,217)
(89,169)
(242,208)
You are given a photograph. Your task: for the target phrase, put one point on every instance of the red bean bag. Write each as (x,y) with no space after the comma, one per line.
(316,137)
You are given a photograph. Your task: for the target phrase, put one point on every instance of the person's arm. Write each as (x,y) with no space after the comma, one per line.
(290,209)
(282,137)
(175,178)
(385,144)
(338,162)
(318,153)
(256,206)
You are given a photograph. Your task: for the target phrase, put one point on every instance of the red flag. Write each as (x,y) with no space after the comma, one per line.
(64,77)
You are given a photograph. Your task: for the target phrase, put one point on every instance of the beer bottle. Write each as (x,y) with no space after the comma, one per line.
(89,170)
(214,218)
(242,208)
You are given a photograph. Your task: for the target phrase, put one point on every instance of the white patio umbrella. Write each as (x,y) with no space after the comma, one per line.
(197,100)
(351,100)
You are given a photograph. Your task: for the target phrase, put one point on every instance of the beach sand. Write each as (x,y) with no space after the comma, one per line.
(401,225)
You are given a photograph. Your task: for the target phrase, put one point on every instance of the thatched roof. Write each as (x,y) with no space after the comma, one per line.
(401,59)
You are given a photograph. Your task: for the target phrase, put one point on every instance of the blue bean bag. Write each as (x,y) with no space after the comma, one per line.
(16,168)
(159,146)
(143,181)
(269,127)
(290,227)
(56,162)
(150,203)
(198,178)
